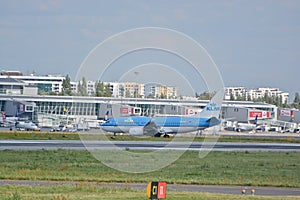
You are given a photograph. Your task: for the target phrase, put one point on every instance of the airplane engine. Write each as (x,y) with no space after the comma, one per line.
(136,131)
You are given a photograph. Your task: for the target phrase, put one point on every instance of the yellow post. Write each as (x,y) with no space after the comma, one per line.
(148,191)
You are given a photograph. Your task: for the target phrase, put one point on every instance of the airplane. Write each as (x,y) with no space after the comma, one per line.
(7,121)
(241,127)
(18,123)
(61,128)
(165,125)
(27,126)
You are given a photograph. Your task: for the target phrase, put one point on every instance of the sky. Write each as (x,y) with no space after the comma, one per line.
(253,43)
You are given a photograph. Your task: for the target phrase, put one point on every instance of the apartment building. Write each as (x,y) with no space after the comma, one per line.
(47,83)
(250,94)
(168,92)
(127,89)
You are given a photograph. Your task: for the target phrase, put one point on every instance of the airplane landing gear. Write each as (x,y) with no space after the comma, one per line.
(199,133)
(157,135)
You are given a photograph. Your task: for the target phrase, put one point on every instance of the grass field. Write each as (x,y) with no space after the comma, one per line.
(88,192)
(28,135)
(24,135)
(221,168)
(218,168)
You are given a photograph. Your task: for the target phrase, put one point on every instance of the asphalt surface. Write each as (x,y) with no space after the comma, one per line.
(263,191)
(143,145)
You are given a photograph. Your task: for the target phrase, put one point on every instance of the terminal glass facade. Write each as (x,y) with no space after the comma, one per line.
(67,108)
(44,87)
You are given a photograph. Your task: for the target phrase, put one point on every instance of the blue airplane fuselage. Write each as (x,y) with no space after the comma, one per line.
(170,124)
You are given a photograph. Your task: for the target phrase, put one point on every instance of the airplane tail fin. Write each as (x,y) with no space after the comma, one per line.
(255,120)
(3,116)
(106,116)
(213,108)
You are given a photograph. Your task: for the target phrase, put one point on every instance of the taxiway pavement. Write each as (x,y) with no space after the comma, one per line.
(144,145)
(264,191)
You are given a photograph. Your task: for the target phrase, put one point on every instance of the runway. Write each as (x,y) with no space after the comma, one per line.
(264,191)
(143,145)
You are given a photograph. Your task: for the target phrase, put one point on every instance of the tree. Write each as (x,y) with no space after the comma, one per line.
(127,94)
(102,90)
(248,98)
(280,101)
(66,86)
(107,91)
(99,89)
(266,98)
(286,105)
(297,100)
(82,87)
(232,97)
(151,96)
(206,95)
(162,96)
(241,98)
(78,88)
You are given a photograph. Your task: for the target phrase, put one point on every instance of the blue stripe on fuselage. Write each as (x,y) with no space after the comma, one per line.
(160,121)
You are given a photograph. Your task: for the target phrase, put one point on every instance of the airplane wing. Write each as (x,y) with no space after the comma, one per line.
(213,120)
(150,128)
(166,130)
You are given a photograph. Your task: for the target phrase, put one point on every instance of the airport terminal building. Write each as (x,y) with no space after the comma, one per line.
(19,97)
(50,110)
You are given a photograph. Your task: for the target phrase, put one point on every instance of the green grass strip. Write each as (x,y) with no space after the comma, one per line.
(217,168)
(24,135)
